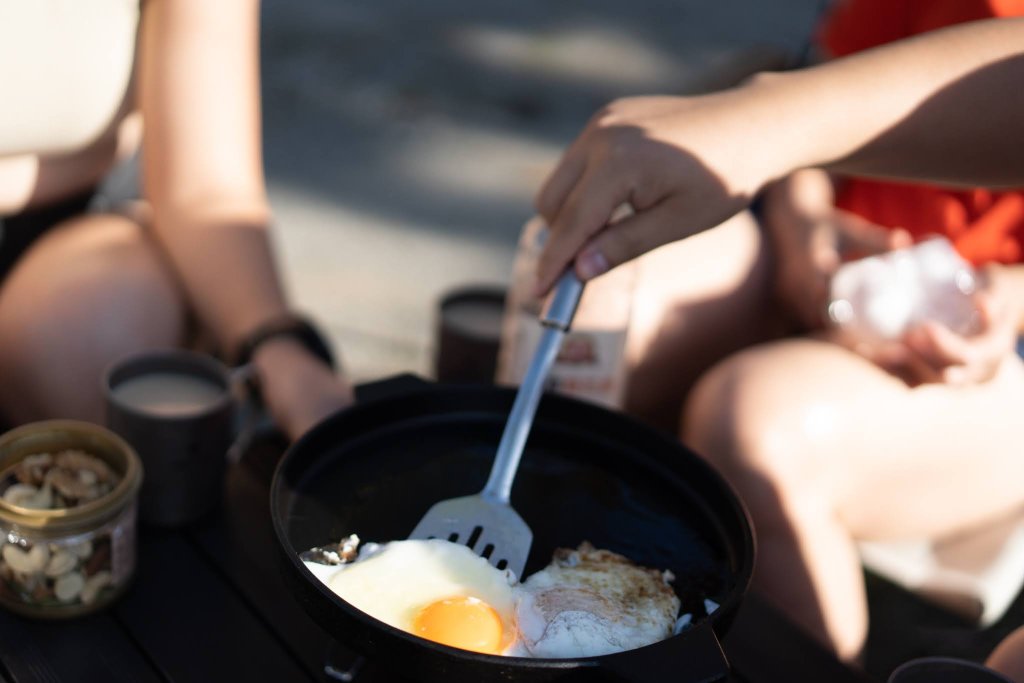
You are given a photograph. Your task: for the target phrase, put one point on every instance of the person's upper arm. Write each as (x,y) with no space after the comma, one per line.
(199,90)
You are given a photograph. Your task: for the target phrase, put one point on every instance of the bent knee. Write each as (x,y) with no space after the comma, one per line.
(746,419)
(79,299)
(97,278)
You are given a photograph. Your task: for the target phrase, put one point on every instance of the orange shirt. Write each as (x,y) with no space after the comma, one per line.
(985,226)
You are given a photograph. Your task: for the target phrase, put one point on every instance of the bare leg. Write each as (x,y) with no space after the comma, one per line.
(88,292)
(825,448)
(1008,657)
(695,302)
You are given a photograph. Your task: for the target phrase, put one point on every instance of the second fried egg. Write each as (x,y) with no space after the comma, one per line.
(591,602)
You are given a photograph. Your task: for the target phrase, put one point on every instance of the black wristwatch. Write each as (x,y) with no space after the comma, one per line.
(289,325)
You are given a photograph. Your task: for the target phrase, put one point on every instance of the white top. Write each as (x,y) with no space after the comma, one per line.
(65,67)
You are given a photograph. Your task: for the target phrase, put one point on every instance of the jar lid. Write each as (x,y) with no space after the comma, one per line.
(50,436)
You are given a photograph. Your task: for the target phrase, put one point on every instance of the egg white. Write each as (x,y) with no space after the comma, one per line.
(587,602)
(591,602)
(400,578)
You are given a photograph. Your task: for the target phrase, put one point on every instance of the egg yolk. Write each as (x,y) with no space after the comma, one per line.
(462,622)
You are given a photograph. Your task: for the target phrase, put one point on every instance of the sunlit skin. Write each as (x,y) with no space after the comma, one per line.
(193,256)
(463,622)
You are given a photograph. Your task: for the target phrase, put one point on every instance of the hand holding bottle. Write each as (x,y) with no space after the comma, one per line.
(943,355)
(952,326)
(882,297)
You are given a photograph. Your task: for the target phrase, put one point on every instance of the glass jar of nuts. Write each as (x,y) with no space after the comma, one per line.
(68,493)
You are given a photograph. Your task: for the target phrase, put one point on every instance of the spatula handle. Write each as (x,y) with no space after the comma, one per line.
(561,304)
(556,317)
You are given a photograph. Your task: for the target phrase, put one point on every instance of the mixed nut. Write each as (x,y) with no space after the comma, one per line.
(51,481)
(342,552)
(60,571)
(55,573)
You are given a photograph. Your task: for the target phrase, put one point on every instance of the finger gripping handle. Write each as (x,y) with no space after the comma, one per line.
(561,304)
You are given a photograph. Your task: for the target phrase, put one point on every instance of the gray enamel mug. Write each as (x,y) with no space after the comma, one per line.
(179,410)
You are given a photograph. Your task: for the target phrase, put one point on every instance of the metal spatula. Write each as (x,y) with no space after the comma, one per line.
(486,521)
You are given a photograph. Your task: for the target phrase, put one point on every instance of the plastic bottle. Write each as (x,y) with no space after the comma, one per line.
(881,297)
(591,365)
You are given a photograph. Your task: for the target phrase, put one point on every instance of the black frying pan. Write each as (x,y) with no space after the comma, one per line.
(587,474)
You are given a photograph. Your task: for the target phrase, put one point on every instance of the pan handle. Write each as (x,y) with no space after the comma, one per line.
(396,385)
(695,656)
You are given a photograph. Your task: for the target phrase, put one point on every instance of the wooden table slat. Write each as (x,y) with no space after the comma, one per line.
(241,543)
(193,625)
(87,649)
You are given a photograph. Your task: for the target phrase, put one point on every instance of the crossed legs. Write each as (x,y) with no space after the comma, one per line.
(826,449)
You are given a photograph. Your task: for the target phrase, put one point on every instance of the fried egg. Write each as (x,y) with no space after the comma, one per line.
(587,602)
(434,589)
(591,602)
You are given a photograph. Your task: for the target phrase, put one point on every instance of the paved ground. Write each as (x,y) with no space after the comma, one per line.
(405,139)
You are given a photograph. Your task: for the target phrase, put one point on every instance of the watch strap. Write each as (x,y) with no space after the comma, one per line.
(290,325)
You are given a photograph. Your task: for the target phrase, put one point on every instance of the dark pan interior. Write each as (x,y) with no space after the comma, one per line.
(587,474)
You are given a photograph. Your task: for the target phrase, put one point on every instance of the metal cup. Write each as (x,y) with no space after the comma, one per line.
(468,334)
(177,410)
(945,670)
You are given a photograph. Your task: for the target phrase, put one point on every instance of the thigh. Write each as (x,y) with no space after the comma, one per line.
(92,289)
(695,302)
(942,459)
(892,461)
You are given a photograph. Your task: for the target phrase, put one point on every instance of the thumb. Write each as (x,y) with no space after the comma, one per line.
(860,237)
(900,238)
(637,234)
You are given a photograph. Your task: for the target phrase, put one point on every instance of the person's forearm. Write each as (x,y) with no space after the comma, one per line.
(225,264)
(947,107)
(202,162)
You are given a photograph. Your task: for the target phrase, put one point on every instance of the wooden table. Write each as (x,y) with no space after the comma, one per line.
(207,604)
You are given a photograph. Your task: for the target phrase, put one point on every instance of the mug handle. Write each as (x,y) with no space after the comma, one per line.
(250,417)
